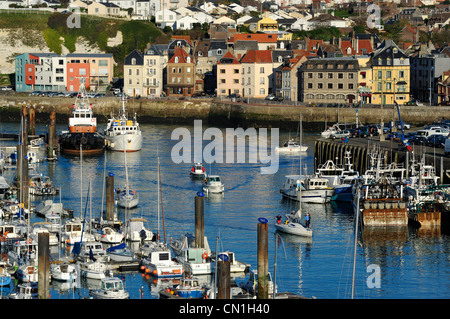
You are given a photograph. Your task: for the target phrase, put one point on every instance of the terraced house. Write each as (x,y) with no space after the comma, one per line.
(391,75)
(181,74)
(329,80)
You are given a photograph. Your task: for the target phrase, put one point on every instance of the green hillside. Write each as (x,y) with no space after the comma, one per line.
(96,30)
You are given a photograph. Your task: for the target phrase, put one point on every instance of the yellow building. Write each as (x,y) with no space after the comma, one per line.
(365,79)
(391,75)
(267,24)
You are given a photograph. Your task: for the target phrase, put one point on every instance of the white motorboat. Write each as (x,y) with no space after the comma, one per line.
(159,264)
(110,288)
(63,271)
(122,133)
(213,185)
(291,147)
(236,266)
(93,250)
(94,269)
(121,253)
(341,179)
(53,222)
(195,261)
(309,189)
(43,227)
(136,232)
(41,185)
(198,171)
(26,290)
(28,272)
(293,226)
(48,206)
(109,235)
(72,232)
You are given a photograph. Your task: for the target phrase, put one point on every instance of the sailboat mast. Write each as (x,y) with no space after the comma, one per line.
(158,198)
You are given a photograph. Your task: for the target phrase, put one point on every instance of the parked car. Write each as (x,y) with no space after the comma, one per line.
(270,97)
(364,131)
(36,93)
(412,102)
(341,134)
(395,136)
(278,98)
(116,91)
(99,95)
(234,95)
(436,141)
(417,140)
(406,126)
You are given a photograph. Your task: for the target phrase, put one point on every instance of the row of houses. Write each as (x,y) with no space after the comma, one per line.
(53,72)
(361,69)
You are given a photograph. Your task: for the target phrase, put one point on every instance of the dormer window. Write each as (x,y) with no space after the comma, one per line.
(133,61)
(176,59)
(280,59)
(219,52)
(200,53)
(188,59)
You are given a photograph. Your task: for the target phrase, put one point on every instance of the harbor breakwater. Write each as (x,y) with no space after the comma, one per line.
(220,113)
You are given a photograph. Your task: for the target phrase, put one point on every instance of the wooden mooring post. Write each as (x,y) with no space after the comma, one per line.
(263,259)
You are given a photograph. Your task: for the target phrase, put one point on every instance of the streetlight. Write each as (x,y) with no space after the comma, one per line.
(431,71)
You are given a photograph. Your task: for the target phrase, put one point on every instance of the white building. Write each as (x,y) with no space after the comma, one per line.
(165,18)
(185,23)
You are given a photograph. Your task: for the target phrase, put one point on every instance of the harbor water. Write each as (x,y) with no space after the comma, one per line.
(391,263)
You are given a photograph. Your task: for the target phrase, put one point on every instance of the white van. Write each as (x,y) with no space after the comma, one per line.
(433,131)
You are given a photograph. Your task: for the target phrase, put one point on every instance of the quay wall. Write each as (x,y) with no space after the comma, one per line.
(218,113)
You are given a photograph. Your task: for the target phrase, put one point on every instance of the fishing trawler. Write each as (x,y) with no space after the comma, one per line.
(121,126)
(82,136)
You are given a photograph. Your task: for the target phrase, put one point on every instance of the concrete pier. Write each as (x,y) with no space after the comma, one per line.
(359,148)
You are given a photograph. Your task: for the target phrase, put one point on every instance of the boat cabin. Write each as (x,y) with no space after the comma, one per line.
(111,284)
(159,257)
(213,179)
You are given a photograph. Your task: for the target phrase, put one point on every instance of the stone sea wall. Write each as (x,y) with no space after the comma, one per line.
(221,114)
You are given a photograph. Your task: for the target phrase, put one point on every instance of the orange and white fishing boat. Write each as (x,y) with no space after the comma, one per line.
(82,134)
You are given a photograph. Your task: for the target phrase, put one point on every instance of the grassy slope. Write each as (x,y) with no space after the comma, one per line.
(96,30)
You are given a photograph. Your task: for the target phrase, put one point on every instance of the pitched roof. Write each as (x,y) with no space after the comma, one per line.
(228,58)
(182,56)
(187,38)
(260,37)
(257,56)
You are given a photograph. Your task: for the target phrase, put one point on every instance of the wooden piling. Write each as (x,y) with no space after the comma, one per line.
(263,261)
(51,136)
(32,119)
(199,222)
(43,266)
(110,196)
(223,282)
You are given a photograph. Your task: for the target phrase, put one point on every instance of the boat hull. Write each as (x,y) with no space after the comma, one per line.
(294,229)
(131,143)
(287,150)
(317,196)
(91,144)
